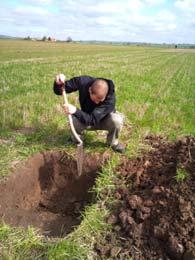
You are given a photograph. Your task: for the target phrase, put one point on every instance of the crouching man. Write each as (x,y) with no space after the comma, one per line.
(97,102)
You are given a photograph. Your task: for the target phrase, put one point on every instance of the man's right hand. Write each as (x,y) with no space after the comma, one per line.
(60,79)
(69,109)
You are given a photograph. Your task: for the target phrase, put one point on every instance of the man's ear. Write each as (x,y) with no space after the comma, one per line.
(90,90)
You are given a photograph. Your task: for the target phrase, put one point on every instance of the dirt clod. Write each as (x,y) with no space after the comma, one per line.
(155,212)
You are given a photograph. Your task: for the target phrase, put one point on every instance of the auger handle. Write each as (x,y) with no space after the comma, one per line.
(70,119)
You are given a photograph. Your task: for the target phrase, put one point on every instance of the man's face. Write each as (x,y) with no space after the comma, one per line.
(96,98)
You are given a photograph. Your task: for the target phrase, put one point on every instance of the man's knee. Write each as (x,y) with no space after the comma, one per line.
(79,127)
(117,120)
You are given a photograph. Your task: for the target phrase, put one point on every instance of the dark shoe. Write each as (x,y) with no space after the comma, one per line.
(120,148)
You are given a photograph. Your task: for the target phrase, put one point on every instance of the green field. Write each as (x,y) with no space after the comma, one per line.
(155,90)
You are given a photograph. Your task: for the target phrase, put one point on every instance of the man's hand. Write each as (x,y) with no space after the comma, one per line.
(69,109)
(60,79)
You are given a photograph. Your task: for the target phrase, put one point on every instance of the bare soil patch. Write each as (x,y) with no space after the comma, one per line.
(154,215)
(46,192)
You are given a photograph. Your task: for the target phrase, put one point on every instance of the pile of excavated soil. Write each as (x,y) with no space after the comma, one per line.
(154,216)
(46,192)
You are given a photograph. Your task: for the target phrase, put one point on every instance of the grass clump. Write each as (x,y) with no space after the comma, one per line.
(181,175)
(17,243)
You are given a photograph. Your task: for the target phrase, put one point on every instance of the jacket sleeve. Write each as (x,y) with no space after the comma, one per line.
(98,113)
(71,85)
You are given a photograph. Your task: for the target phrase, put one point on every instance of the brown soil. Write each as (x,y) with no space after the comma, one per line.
(46,192)
(154,214)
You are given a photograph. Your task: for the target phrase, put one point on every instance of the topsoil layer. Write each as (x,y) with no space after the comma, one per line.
(46,192)
(154,214)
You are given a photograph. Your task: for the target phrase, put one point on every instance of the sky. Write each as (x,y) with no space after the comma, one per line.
(154,21)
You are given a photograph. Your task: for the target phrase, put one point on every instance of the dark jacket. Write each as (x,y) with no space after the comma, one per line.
(90,114)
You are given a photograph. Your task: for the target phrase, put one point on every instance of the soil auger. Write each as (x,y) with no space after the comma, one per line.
(77,137)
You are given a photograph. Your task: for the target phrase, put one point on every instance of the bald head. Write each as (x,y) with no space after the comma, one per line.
(98,91)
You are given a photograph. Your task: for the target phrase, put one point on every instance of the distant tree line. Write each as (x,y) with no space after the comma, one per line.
(45,38)
(164,45)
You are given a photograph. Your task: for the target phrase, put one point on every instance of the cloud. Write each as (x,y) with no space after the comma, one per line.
(39,2)
(185,5)
(31,10)
(186,12)
(166,16)
(112,20)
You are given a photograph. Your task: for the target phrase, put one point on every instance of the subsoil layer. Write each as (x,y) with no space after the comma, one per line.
(154,213)
(46,192)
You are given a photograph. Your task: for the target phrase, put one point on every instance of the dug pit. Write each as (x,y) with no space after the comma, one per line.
(46,192)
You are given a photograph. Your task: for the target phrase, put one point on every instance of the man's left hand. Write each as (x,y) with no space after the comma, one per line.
(69,109)
(60,79)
